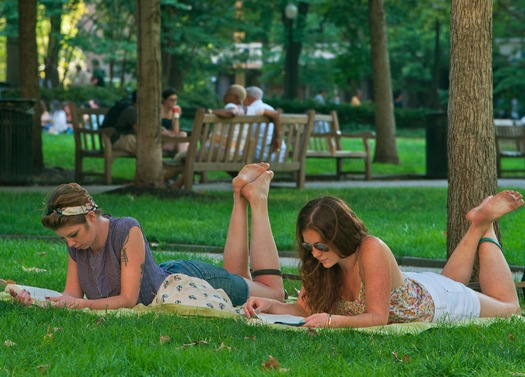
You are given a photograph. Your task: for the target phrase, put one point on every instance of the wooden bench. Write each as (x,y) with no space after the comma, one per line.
(510,143)
(93,142)
(224,150)
(327,142)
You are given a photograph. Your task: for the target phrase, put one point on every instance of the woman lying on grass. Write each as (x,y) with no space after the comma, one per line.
(351,278)
(110,262)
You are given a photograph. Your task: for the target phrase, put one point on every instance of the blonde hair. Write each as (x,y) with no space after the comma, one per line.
(238,90)
(66,196)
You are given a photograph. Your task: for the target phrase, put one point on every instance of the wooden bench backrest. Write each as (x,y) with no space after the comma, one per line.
(86,123)
(325,135)
(295,132)
(221,144)
(218,144)
(510,139)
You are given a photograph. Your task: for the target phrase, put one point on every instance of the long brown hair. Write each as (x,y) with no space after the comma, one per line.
(64,196)
(341,229)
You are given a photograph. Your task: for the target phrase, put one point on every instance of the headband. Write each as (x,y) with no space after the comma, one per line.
(73,211)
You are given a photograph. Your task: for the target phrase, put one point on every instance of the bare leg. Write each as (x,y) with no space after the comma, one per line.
(499,293)
(460,264)
(236,247)
(263,251)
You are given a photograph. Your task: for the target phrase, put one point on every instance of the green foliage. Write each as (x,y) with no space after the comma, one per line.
(354,117)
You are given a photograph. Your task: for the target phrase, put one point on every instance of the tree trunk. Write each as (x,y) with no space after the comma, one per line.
(54,10)
(149,153)
(294,45)
(386,149)
(471,140)
(29,88)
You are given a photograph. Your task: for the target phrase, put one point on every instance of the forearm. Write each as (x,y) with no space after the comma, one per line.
(114,302)
(290,308)
(361,320)
(175,125)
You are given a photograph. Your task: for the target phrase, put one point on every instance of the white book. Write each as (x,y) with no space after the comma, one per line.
(38,294)
(281,319)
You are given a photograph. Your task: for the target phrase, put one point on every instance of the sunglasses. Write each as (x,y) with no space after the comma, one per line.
(318,246)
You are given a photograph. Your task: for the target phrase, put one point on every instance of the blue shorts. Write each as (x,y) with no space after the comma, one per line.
(234,285)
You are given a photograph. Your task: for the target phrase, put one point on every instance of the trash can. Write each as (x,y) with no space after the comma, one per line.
(436,145)
(16,130)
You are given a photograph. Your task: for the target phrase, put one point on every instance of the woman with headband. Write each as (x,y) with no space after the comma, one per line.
(110,264)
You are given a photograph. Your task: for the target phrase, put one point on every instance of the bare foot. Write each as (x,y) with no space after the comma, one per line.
(495,207)
(248,174)
(259,187)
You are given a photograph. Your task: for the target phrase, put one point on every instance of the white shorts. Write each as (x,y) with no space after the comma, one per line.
(453,301)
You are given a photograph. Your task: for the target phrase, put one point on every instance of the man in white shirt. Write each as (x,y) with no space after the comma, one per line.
(255,106)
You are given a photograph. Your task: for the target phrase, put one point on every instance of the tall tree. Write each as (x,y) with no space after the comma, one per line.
(149,153)
(54,10)
(29,88)
(386,149)
(471,140)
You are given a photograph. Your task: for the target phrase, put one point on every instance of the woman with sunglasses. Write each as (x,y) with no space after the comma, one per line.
(351,278)
(110,264)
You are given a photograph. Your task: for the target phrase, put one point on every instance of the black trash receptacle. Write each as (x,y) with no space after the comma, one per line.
(16,131)
(436,145)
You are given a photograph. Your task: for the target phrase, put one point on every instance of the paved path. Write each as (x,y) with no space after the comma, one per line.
(226,186)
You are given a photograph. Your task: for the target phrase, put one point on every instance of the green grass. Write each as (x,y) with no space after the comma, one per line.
(412,221)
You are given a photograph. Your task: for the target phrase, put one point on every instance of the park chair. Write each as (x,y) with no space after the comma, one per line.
(92,142)
(326,141)
(510,143)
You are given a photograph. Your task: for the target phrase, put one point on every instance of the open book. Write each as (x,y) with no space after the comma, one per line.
(281,319)
(38,295)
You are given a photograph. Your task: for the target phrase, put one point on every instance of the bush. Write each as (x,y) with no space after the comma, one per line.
(352,118)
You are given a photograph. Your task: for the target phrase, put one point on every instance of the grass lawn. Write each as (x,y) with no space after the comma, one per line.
(63,343)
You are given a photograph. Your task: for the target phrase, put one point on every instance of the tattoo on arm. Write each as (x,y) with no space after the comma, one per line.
(124,257)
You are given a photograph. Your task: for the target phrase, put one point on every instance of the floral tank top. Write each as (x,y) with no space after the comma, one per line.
(410,302)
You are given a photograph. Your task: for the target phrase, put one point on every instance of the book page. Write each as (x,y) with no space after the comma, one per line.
(36,293)
(282,319)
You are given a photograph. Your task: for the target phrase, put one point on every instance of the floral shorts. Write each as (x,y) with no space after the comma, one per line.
(234,285)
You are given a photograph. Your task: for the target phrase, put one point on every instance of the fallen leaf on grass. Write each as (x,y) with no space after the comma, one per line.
(510,336)
(43,368)
(34,269)
(223,346)
(164,339)
(9,343)
(42,253)
(403,359)
(273,364)
(100,321)
(194,343)
(49,335)
(253,338)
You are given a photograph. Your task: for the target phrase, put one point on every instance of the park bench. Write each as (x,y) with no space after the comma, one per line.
(326,141)
(92,142)
(510,143)
(234,143)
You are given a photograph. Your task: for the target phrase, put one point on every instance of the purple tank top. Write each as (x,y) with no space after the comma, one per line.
(99,274)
